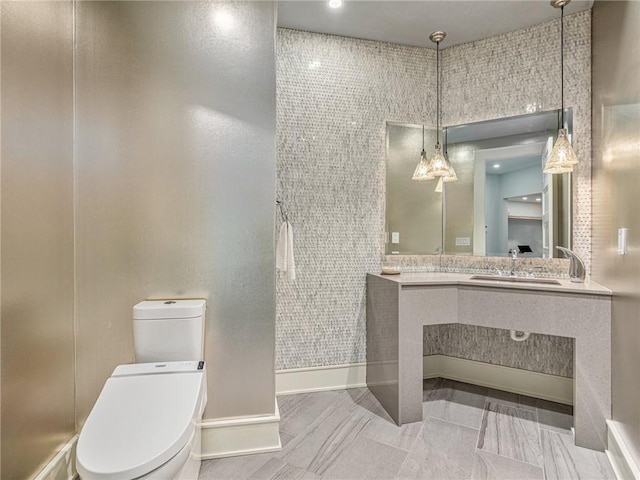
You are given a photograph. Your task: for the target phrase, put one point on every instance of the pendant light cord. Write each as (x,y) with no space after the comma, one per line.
(423,137)
(562,66)
(438,92)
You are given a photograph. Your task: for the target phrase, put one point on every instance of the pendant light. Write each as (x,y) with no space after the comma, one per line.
(420,174)
(451,176)
(562,157)
(438,165)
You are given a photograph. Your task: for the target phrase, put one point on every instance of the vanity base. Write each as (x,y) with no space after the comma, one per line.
(397,311)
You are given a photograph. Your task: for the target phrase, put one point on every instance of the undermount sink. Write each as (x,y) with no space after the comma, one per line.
(502,278)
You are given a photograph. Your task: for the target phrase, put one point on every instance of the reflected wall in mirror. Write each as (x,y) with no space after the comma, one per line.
(413,223)
(502,201)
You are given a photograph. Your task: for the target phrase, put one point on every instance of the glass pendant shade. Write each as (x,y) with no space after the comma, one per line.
(438,165)
(421,172)
(451,176)
(562,157)
(439,186)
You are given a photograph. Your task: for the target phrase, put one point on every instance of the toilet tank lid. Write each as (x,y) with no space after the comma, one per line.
(159,309)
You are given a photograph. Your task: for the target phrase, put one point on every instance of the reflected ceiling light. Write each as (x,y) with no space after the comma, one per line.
(335,3)
(525,198)
(538,199)
(438,165)
(562,157)
(420,174)
(496,165)
(223,19)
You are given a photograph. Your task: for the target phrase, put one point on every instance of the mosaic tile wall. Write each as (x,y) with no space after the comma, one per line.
(334,96)
(539,353)
(500,76)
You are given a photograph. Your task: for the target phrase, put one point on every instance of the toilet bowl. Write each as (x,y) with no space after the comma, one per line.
(145,424)
(145,421)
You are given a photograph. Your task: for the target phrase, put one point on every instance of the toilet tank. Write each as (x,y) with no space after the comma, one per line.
(168,330)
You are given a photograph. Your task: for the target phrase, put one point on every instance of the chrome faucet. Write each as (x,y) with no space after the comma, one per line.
(577,272)
(514,257)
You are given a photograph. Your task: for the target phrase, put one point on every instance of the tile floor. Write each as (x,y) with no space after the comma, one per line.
(468,432)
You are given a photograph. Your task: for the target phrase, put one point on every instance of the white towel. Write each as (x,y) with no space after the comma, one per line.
(284,251)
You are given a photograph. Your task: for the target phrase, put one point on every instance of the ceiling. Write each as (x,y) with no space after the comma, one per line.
(509,165)
(503,127)
(411,22)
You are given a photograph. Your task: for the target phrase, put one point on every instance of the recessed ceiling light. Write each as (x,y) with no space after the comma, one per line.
(496,165)
(538,199)
(335,3)
(525,198)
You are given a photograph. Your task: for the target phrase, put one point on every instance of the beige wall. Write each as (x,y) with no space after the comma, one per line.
(175,186)
(616,168)
(36,234)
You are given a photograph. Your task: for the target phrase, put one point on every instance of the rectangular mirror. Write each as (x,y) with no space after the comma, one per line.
(501,200)
(413,223)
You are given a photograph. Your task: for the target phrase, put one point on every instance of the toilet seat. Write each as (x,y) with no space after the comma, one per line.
(144,416)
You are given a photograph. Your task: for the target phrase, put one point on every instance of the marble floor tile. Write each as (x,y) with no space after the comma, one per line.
(276,469)
(233,468)
(563,459)
(487,466)
(361,400)
(455,402)
(442,451)
(297,412)
(346,434)
(367,460)
(285,438)
(555,416)
(511,399)
(387,432)
(316,448)
(510,432)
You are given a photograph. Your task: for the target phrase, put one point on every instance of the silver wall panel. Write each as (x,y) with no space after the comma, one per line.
(36,234)
(616,163)
(176,186)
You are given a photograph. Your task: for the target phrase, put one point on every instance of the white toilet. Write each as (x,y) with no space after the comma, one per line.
(144,423)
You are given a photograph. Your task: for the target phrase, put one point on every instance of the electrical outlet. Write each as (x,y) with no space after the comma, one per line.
(463,241)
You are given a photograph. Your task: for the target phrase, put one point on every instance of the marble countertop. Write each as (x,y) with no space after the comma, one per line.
(434,278)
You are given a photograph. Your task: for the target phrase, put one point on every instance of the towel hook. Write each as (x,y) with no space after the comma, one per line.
(282,210)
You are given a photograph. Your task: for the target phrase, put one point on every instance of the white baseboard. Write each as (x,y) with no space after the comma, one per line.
(316,379)
(241,436)
(523,382)
(63,465)
(619,455)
